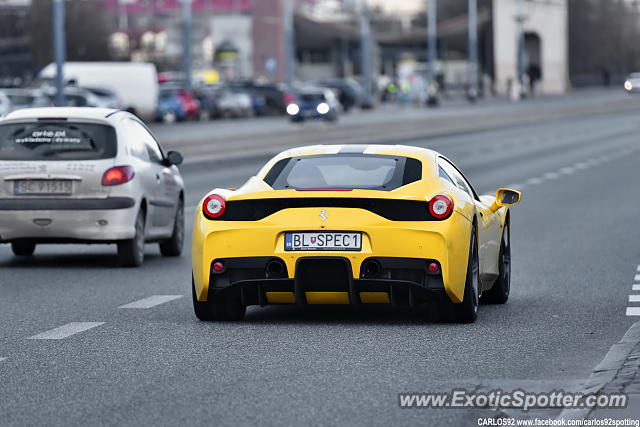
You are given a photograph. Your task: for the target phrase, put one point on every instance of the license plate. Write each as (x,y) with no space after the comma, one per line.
(322,241)
(42,187)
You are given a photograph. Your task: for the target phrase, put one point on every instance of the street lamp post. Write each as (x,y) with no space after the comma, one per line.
(432,37)
(365,50)
(473,49)
(520,18)
(290,50)
(186,41)
(59,49)
(432,53)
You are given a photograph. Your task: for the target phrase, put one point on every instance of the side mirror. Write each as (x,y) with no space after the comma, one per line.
(174,158)
(506,197)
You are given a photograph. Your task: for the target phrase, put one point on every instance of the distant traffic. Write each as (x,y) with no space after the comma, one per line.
(162,97)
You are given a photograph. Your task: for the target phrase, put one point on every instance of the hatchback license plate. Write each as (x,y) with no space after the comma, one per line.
(322,241)
(38,186)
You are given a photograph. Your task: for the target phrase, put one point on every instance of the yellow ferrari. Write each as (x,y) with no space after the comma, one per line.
(352,224)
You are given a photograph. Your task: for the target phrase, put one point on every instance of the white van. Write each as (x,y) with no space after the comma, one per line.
(134,83)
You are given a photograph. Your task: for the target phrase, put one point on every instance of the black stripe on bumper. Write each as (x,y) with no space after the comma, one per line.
(402,293)
(66,204)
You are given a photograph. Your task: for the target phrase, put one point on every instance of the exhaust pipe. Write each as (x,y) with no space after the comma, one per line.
(275,269)
(371,269)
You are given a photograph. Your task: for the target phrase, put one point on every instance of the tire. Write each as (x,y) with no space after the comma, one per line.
(173,246)
(467,310)
(208,311)
(22,248)
(499,293)
(131,252)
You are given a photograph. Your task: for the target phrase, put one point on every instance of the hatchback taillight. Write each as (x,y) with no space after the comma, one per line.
(214,206)
(117,175)
(441,206)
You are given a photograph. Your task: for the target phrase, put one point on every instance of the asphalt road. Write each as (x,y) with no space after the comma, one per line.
(574,253)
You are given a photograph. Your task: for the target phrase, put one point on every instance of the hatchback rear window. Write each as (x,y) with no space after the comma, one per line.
(57,141)
(372,172)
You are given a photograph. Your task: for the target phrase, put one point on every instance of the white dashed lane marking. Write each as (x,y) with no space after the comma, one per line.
(534,181)
(633,311)
(635,298)
(151,301)
(2,359)
(569,170)
(65,331)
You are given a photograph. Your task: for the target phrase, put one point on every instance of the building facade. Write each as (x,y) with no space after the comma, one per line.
(545,57)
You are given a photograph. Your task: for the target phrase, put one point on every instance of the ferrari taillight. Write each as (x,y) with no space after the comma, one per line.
(441,206)
(117,175)
(214,206)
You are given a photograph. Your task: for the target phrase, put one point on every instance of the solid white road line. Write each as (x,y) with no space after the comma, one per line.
(65,331)
(551,175)
(151,301)
(635,287)
(633,311)
(634,298)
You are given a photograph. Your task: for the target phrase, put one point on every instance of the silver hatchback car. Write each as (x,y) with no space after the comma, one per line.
(88,175)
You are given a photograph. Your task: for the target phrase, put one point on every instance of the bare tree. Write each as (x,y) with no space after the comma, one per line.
(602,40)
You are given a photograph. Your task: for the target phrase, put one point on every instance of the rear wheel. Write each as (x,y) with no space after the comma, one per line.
(131,252)
(23,248)
(467,310)
(226,310)
(499,293)
(173,245)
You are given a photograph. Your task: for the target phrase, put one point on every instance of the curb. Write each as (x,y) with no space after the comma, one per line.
(605,371)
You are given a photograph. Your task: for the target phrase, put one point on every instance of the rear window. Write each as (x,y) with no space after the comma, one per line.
(372,172)
(57,141)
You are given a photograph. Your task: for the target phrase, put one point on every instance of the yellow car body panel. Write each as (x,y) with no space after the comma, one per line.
(446,241)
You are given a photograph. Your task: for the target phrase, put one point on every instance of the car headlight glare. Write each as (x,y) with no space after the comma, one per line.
(322,108)
(628,85)
(293,109)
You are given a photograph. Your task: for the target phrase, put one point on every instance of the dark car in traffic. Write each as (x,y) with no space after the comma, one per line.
(313,104)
